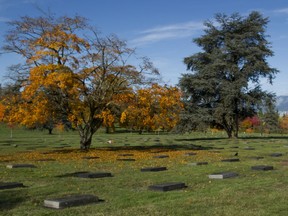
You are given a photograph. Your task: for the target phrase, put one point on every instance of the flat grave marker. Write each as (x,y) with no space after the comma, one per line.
(153,169)
(223,175)
(72,174)
(46,159)
(126,159)
(168,186)
(93,175)
(262,167)
(10,185)
(276,154)
(198,163)
(90,157)
(70,201)
(160,156)
(231,160)
(12,166)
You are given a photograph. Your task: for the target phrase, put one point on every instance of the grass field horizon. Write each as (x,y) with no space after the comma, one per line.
(126,193)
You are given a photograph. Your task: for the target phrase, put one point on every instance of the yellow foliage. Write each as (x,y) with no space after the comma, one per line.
(153,108)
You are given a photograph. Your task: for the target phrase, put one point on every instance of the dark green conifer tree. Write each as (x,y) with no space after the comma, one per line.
(223,86)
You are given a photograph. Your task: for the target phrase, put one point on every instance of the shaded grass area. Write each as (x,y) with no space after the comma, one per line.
(126,193)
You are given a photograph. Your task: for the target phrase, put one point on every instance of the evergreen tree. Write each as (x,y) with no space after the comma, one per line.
(224,86)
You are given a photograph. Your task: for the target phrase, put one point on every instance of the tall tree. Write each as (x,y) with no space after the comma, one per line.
(224,86)
(72,70)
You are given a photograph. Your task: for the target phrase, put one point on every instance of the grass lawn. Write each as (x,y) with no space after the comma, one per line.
(126,193)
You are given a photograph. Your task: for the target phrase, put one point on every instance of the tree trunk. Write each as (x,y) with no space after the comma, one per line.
(229,133)
(85,141)
(50,130)
(86,132)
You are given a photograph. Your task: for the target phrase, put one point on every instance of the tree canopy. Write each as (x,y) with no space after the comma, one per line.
(224,86)
(153,108)
(71,72)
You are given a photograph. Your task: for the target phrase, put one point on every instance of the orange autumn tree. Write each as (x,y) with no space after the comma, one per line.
(2,111)
(153,108)
(73,72)
(284,123)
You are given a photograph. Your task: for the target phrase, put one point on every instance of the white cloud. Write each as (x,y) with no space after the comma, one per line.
(283,10)
(174,31)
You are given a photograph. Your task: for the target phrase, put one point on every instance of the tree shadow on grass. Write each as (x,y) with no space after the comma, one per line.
(239,138)
(11,199)
(157,147)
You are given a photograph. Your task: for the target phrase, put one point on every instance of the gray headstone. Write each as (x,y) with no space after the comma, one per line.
(90,157)
(160,156)
(46,159)
(70,201)
(198,163)
(223,175)
(93,175)
(231,160)
(125,159)
(168,186)
(72,174)
(276,154)
(262,167)
(10,185)
(153,169)
(20,166)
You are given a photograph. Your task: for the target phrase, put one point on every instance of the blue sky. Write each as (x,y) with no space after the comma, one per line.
(160,29)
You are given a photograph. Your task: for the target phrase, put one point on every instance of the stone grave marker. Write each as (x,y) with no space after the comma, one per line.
(160,156)
(72,174)
(90,157)
(93,175)
(12,166)
(46,159)
(167,186)
(10,185)
(262,167)
(125,155)
(70,201)
(276,154)
(219,148)
(223,175)
(198,163)
(231,160)
(125,159)
(153,169)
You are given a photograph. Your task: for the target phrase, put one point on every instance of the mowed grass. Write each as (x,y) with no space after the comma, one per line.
(126,193)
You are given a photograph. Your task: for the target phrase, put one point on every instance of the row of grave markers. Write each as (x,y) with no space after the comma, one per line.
(77,200)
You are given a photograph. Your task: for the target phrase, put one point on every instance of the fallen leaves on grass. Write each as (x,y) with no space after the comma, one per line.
(106,155)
